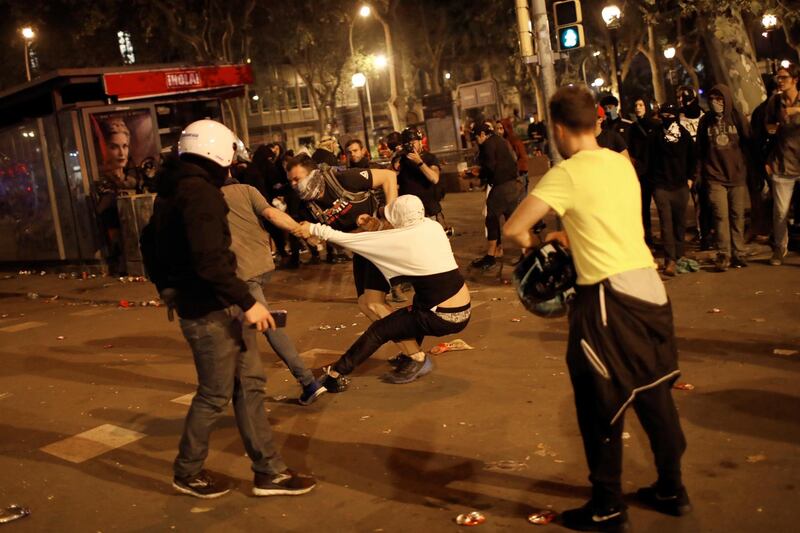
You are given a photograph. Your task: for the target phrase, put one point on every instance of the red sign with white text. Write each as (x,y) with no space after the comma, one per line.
(160,82)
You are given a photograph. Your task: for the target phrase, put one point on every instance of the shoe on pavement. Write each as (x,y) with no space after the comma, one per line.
(722,263)
(409,370)
(398,360)
(738,262)
(288,483)
(201,485)
(671,269)
(332,384)
(677,504)
(588,518)
(311,392)
(487,261)
(777,257)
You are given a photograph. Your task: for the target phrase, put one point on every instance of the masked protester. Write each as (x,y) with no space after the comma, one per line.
(614,120)
(186,250)
(671,166)
(722,145)
(621,350)
(638,148)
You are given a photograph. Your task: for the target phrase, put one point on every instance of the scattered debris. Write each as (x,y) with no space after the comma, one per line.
(784,352)
(715,310)
(758,293)
(33,296)
(474,518)
(507,465)
(497,299)
(683,386)
(60,337)
(324,327)
(759,320)
(13,512)
(365,417)
(626,435)
(340,327)
(133,279)
(386,431)
(542,450)
(756,458)
(516,320)
(108,346)
(125,303)
(541,518)
(279,397)
(4,395)
(456,345)
(200,509)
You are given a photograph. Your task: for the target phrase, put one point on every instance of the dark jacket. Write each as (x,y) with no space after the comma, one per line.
(671,155)
(321,155)
(186,245)
(496,161)
(722,144)
(638,147)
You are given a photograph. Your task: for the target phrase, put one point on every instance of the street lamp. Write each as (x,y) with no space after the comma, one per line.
(365,11)
(611,16)
(785,63)
(28,35)
(669,52)
(380,61)
(359,81)
(769,22)
(598,82)
(669,55)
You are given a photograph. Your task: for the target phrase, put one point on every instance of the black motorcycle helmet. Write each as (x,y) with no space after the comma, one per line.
(410,134)
(545,280)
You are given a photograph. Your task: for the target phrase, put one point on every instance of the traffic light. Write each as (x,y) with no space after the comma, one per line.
(568,18)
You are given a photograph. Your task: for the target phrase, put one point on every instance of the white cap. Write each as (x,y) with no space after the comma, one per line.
(209,139)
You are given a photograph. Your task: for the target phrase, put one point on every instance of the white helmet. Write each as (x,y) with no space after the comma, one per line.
(209,139)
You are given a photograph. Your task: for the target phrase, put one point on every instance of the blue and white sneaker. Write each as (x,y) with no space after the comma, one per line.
(311,392)
(409,370)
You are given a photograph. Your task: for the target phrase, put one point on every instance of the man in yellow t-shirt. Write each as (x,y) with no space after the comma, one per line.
(621,349)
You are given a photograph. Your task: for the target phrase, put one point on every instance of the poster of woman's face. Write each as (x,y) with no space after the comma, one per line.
(122,140)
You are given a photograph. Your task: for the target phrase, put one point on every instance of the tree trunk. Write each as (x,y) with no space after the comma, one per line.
(726,39)
(393,94)
(653,57)
(613,61)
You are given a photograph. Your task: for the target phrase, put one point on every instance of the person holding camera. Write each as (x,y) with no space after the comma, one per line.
(417,171)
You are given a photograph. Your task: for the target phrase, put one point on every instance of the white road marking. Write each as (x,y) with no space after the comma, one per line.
(186,399)
(91,443)
(90,312)
(22,326)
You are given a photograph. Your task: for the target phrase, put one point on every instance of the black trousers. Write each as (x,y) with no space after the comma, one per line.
(501,202)
(403,324)
(603,444)
(671,206)
(647,199)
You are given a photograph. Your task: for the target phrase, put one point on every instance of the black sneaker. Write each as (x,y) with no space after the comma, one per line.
(397,360)
(487,261)
(671,504)
(288,483)
(409,370)
(332,384)
(311,392)
(587,518)
(738,262)
(201,485)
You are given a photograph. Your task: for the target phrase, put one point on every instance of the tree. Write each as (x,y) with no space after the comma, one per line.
(216,31)
(316,48)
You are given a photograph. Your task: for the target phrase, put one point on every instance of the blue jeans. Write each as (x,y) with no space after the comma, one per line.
(782,190)
(278,339)
(228,367)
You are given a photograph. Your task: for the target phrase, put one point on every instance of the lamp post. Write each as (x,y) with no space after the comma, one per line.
(611,16)
(770,21)
(27,35)
(669,55)
(359,82)
(366,11)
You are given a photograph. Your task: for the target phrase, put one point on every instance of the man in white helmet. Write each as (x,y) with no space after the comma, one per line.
(186,248)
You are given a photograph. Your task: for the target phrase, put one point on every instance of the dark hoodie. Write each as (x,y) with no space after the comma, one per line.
(671,156)
(186,245)
(722,143)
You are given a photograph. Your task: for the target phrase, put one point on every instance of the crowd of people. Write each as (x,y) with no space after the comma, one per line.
(207,251)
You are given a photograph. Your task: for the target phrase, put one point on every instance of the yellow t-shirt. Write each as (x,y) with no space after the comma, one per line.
(597,195)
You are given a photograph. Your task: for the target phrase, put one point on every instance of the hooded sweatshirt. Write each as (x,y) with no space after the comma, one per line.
(671,156)
(721,143)
(417,251)
(186,244)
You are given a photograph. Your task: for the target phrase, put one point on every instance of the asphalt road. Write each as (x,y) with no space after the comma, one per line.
(493,429)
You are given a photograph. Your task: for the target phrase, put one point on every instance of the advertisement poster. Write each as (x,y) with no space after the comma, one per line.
(125,145)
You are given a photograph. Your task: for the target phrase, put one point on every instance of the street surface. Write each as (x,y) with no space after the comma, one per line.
(492,429)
